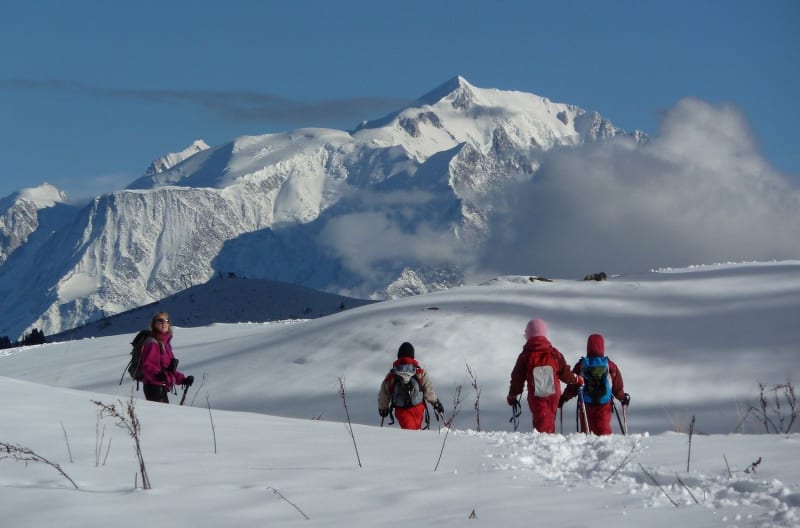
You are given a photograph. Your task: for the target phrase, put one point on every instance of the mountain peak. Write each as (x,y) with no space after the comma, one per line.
(457,88)
(168,161)
(44,195)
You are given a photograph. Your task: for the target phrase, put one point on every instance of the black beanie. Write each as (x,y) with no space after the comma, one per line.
(406,350)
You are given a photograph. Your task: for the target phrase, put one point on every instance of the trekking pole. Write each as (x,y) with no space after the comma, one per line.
(582,411)
(621,427)
(625,417)
(185,390)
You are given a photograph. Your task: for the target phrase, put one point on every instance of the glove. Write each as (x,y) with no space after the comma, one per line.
(161,376)
(561,401)
(383,412)
(626,400)
(438,407)
(512,400)
(188,380)
(580,380)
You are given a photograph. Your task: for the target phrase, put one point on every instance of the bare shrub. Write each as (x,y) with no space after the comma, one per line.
(776,410)
(24,454)
(477,389)
(127,419)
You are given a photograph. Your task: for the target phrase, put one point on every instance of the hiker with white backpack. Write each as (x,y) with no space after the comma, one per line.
(543,367)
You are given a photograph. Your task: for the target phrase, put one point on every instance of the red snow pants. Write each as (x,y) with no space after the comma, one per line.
(599,418)
(411,417)
(543,411)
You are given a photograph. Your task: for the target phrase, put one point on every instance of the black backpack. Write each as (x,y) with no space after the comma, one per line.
(134,368)
(406,389)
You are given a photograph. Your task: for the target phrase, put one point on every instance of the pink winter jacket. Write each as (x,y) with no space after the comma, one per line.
(156,360)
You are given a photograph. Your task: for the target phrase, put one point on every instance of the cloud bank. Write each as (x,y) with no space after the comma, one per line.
(234,105)
(699,192)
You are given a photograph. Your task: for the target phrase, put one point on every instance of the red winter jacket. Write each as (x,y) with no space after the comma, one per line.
(523,373)
(156,360)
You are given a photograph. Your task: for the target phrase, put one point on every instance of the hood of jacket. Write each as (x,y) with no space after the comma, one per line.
(595,346)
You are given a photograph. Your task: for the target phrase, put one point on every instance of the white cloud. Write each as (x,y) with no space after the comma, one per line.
(364,240)
(699,192)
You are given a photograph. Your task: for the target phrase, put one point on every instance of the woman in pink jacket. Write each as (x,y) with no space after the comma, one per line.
(159,366)
(544,368)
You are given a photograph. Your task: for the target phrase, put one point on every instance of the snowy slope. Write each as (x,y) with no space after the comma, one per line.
(691,341)
(716,331)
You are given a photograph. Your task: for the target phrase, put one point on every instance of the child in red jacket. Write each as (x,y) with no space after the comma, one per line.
(598,413)
(544,368)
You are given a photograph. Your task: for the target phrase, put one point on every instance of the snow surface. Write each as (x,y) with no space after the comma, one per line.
(263,436)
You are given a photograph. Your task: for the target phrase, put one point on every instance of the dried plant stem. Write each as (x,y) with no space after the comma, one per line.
(658,485)
(624,462)
(66,439)
(197,391)
(691,432)
(686,488)
(449,423)
(211,418)
(348,425)
(278,493)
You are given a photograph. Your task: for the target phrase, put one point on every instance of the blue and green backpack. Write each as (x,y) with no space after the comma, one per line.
(596,380)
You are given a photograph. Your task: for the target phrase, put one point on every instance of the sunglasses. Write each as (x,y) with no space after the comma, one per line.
(162,320)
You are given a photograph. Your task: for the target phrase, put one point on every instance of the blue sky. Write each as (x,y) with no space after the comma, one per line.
(92,91)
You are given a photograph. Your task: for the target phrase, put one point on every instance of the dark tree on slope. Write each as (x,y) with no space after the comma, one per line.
(36,337)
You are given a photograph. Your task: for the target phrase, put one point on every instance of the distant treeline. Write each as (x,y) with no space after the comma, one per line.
(35,337)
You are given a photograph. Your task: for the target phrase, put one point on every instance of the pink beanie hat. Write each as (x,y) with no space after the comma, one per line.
(536,327)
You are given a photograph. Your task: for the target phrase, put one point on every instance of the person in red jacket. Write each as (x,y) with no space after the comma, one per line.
(544,368)
(598,415)
(159,366)
(405,389)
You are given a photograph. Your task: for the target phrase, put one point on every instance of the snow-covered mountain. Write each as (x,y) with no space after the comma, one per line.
(395,207)
(21,215)
(165,163)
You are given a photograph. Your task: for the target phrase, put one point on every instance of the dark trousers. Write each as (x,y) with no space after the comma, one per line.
(156,393)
